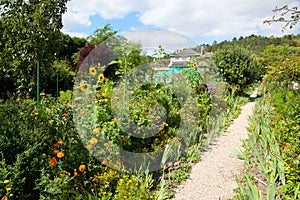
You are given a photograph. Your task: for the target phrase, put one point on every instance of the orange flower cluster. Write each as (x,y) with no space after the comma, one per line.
(58,153)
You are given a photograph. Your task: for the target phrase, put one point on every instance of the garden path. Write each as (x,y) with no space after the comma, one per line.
(214,177)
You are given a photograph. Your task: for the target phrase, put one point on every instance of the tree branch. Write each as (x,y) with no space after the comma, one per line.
(289,16)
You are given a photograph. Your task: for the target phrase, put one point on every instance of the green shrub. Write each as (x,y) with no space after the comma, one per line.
(238,66)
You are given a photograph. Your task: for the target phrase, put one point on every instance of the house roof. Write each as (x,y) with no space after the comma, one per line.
(186,52)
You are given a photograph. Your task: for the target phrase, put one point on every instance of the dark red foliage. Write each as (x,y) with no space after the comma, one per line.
(83,53)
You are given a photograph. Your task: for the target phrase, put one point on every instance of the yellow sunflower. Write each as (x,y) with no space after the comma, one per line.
(101,77)
(83,87)
(93,71)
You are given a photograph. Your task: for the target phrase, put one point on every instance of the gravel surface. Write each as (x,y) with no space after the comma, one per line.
(214,177)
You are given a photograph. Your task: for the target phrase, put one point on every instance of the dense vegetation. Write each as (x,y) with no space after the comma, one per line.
(272,151)
(45,156)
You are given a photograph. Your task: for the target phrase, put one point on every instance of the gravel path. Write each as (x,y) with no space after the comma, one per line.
(214,177)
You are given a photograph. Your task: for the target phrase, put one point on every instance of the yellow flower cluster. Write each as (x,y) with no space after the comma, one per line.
(103,181)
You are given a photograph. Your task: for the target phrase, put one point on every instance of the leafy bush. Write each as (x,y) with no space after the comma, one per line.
(40,146)
(238,66)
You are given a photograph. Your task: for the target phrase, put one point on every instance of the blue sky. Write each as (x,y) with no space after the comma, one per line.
(200,20)
(123,24)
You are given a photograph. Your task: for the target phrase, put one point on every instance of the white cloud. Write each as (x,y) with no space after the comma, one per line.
(79,11)
(74,34)
(212,18)
(195,18)
(152,38)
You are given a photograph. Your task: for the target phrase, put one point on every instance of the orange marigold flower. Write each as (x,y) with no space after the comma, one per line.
(96,131)
(113,120)
(56,145)
(60,154)
(53,161)
(93,140)
(55,151)
(64,115)
(60,142)
(89,146)
(82,168)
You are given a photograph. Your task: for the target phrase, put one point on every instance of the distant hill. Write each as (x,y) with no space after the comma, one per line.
(254,43)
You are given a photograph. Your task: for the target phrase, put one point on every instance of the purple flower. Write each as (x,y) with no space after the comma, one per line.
(211,89)
(208,88)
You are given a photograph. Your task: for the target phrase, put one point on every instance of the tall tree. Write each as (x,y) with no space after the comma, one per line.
(30,34)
